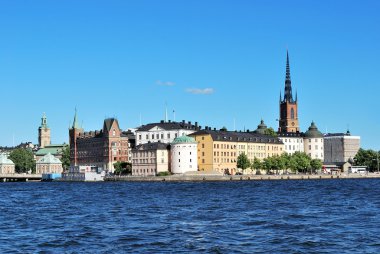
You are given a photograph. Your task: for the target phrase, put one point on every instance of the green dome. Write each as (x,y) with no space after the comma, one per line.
(261,128)
(183,139)
(313,132)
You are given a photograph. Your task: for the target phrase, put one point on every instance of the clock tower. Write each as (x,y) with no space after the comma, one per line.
(288,121)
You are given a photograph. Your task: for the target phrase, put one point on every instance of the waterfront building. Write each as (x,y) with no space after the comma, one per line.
(288,121)
(84,174)
(55,149)
(340,148)
(100,148)
(184,155)
(314,143)
(48,164)
(164,132)
(293,141)
(150,159)
(219,150)
(44,138)
(6,165)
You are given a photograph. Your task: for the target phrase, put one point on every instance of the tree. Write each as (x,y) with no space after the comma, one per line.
(23,160)
(270,131)
(243,161)
(122,168)
(268,164)
(301,161)
(315,164)
(366,158)
(256,164)
(65,157)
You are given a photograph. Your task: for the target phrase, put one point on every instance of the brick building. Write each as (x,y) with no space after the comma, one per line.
(100,148)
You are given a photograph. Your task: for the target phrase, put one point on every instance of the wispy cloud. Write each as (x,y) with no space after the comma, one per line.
(165,83)
(200,91)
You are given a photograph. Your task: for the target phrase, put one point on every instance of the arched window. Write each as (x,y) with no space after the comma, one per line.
(292,113)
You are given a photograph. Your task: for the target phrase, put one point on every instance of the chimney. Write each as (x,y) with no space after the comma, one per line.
(170,121)
(183,121)
(196,124)
(189,122)
(162,121)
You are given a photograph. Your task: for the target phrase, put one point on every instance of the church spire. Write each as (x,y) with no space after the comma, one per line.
(75,123)
(288,97)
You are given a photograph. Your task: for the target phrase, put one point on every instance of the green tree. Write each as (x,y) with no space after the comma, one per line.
(65,157)
(268,164)
(300,161)
(243,161)
(315,164)
(256,164)
(367,158)
(122,168)
(23,160)
(271,132)
(287,160)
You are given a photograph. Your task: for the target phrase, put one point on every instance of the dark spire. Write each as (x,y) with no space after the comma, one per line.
(280,97)
(288,97)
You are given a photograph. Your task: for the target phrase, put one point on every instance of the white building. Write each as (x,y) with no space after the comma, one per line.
(314,143)
(164,132)
(48,164)
(184,155)
(293,142)
(6,165)
(150,159)
(340,147)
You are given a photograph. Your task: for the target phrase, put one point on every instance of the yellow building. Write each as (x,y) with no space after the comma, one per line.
(219,150)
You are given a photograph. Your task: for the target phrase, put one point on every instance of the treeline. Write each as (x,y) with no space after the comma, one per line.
(297,162)
(368,158)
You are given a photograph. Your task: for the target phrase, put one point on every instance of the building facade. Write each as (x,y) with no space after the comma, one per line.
(164,132)
(100,149)
(293,142)
(6,165)
(150,159)
(340,148)
(314,143)
(44,138)
(184,156)
(219,150)
(48,164)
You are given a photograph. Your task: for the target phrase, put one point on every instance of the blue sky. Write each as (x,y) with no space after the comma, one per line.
(128,58)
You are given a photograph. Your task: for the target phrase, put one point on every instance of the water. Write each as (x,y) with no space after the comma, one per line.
(331,216)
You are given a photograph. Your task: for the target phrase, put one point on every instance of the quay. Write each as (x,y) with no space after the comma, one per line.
(20,177)
(217,178)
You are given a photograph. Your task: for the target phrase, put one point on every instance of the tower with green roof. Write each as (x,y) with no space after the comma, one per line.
(44,133)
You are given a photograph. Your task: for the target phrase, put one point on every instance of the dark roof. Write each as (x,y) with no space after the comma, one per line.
(153,146)
(261,128)
(170,126)
(290,134)
(232,136)
(108,123)
(313,132)
(338,134)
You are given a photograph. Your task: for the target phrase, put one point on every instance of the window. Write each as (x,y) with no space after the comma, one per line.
(292,113)
(203,153)
(316,147)
(203,138)
(158,136)
(309,147)
(190,160)
(168,135)
(147,136)
(203,145)
(162,136)
(113,132)
(179,153)
(152,136)
(176,135)
(140,137)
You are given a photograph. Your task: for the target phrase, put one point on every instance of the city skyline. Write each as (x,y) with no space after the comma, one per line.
(217,63)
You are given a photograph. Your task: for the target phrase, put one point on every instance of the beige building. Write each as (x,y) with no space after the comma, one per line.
(150,159)
(339,148)
(6,165)
(48,164)
(219,150)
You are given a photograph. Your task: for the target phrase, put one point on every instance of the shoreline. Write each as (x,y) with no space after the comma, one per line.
(226,178)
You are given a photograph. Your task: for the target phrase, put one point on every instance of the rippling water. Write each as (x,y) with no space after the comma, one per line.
(332,216)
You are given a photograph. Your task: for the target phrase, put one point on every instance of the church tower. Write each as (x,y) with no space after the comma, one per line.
(288,106)
(44,133)
(74,133)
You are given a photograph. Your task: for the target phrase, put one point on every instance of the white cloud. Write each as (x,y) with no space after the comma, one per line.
(165,83)
(200,91)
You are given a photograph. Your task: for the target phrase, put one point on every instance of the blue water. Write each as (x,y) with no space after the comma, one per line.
(331,216)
